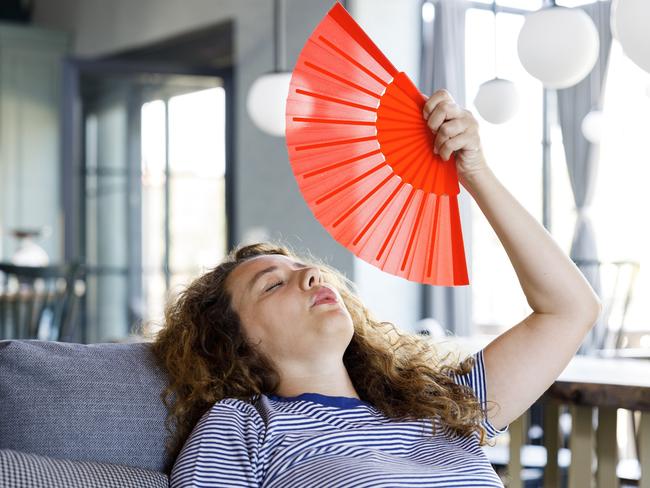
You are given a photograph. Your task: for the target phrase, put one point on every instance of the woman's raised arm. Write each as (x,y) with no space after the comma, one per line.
(524,361)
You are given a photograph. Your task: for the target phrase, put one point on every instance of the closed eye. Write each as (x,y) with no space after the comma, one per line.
(274,285)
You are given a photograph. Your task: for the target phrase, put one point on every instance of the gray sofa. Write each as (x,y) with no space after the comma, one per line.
(75,415)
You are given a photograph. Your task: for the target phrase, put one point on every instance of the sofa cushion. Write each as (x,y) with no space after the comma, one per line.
(89,402)
(22,470)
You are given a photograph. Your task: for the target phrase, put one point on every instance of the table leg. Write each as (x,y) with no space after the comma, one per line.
(581,444)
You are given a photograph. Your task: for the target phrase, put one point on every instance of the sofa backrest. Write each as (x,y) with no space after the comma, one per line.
(89,402)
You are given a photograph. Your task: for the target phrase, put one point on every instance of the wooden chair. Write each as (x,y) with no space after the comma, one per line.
(614,282)
(39,302)
(619,279)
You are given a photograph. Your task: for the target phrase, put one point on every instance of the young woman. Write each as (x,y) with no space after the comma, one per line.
(279,376)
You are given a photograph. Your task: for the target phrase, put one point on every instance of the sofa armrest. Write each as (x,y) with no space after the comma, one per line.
(20,470)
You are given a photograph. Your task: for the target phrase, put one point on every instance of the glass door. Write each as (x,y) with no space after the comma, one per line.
(183,192)
(154,194)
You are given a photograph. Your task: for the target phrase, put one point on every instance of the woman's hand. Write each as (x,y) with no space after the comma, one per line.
(455,129)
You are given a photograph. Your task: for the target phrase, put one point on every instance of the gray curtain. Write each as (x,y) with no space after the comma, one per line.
(443,66)
(582,156)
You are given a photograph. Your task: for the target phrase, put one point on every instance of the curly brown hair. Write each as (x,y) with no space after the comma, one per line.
(207,358)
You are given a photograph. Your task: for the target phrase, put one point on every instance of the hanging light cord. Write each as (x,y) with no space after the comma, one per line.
(279,24)
(595,78)
(494,11)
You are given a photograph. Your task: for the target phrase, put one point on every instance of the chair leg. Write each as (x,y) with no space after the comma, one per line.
(606,447)
(517,438)
(644,449)
(581,444)
(551,442)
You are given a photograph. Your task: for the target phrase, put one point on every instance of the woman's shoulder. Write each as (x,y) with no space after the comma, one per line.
(234,404)
(231,414)
(232,409)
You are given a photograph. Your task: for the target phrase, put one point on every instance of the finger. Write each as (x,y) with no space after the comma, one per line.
(465,140)
(437,97)
(448,129)
(442,112)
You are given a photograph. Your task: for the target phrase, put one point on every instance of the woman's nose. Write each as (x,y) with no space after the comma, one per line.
(312,277)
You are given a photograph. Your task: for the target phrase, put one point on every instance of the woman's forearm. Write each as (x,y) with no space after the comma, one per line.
(552,283)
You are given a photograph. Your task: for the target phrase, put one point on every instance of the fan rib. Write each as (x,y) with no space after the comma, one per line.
(434,228)
(377,214)
(419,131)
(418,148)
(405,98)
(424,182)
(330,167)
(402,165)
(387,106)
(342,80)
(335,100)
(348,212)
(352,60)
(339,189)
(398,220)
(458,259)
(343,18)
(335,143)
(333,121)
(403,123)
(419,154)
(429,237)
(414,229)
(401,138)
(405,101)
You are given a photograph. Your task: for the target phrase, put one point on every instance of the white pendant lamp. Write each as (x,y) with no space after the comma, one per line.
(558,46)
(267,98)
(267,101)
(592,126)
(629,23)
(497,99)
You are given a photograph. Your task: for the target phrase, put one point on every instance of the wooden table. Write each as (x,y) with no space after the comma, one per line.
(587,383)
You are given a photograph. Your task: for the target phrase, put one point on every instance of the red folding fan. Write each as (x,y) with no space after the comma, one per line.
(363,158)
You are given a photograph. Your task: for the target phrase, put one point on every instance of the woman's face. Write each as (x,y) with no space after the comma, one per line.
(274,297)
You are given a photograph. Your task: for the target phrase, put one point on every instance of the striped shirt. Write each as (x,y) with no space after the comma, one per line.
(314,440)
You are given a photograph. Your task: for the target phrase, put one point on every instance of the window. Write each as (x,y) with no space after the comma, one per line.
(155,199)
(183,204)
(621,199)
(514,152)
(519,4)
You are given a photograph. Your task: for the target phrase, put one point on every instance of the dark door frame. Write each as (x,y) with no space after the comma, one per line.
(72,185)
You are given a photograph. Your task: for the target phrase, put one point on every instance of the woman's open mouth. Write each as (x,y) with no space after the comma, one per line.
(324,295)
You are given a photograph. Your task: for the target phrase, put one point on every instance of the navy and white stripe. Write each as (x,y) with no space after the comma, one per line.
(315,440)
(475,379)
